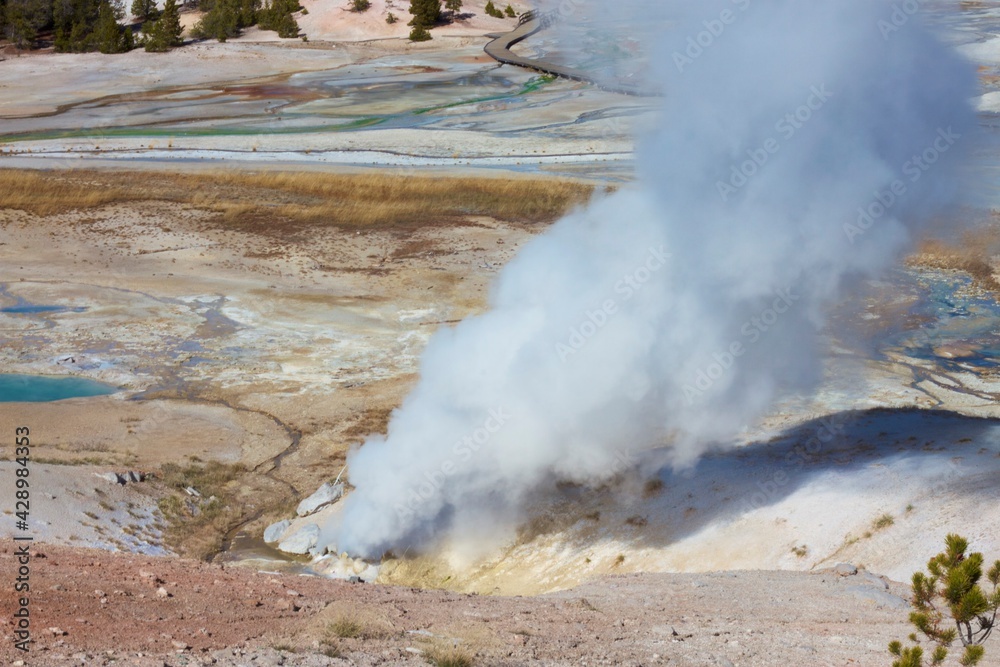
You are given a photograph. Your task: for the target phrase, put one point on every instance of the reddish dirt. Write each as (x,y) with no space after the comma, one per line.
(110,608)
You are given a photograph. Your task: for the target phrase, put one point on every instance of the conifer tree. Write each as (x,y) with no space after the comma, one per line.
(277,16)
(951,584)
(166,32)
(107,33)
(226,18)
(170,22)
(419,34)
(22,20)
(426,13)
(144,10)
(75,22)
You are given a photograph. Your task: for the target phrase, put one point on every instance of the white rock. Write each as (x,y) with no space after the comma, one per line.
(112,477)
(845,569)
(324,495)
(301,541)
(276,531)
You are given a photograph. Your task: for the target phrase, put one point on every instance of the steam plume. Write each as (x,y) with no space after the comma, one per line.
(799,145)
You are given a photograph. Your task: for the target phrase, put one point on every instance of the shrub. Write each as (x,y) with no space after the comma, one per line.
(360,5)
(448,656)
(346,628)
(419,34)
(951,584)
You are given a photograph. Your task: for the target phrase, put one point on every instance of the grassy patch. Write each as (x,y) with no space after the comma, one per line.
(196,525)
(448,656)
(372,420)
(255,201)
(883,521)
(346,627)
(357,625)
(972,253)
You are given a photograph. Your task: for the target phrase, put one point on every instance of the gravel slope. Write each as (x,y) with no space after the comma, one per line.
(121,609)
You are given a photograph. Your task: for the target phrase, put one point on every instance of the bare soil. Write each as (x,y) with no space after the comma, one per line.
(97,608)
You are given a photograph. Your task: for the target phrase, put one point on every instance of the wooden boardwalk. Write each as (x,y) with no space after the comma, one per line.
(531,23)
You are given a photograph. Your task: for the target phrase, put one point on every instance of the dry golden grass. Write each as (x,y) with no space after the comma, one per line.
(258,199)
(344,619)
(196,526)
(973,253)
(372,420)
(441,655)
(47,193)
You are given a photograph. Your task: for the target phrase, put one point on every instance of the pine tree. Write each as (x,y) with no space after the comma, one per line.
(425,13)
(453,5)
(246,12)
(75,22)
(226,18)
(169,24)
(287,26)
(107,33)
(419,34)
(492,10)
(22,20)
(277,16)
(144,10)
(18,28)
(951,584)
(166,32)
(511,14)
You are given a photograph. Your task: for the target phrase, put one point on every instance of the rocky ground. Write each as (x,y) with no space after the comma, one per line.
(92,607)
(263,354)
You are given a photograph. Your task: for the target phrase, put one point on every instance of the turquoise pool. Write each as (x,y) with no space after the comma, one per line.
(44,388)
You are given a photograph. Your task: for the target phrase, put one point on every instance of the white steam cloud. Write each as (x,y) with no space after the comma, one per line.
(799,145)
